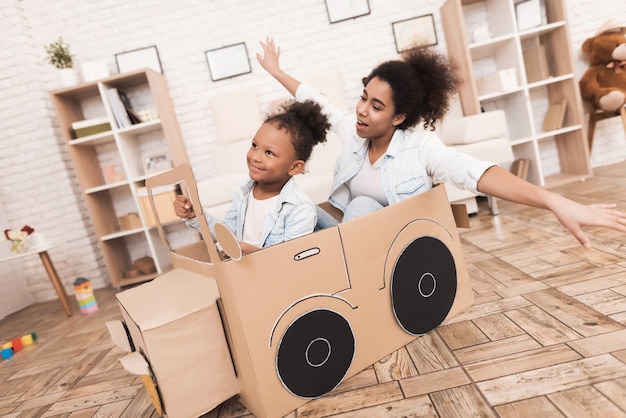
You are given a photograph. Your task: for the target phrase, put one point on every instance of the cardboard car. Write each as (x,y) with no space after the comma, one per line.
(300,317)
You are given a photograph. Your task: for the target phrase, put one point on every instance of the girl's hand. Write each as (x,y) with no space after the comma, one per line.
(183,207)
(271,54)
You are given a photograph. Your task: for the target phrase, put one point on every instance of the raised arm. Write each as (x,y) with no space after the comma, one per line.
(572,215)
(269,62)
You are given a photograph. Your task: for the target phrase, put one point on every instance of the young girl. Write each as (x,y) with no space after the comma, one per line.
(383,161)
(268,208)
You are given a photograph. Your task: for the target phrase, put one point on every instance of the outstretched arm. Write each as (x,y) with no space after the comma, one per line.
(269,62)
(572,215)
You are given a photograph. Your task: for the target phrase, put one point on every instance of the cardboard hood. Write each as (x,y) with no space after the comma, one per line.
(304,315)
(181,350)
(160,302)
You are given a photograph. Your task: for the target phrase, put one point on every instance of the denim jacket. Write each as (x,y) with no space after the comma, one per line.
(414,160)
(293,215)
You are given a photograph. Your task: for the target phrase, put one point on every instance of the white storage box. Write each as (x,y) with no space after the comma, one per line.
(500,81)
(474,128)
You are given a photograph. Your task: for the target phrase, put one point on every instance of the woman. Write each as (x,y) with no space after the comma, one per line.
(383,161)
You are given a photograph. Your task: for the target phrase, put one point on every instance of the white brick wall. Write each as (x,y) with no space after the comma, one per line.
(39,187)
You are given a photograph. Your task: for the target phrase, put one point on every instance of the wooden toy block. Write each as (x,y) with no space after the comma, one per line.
(17,344)
(89,309)
(6,353)
(27,339)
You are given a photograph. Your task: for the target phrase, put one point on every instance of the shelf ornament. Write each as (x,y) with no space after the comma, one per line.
(60,57)
(18,238)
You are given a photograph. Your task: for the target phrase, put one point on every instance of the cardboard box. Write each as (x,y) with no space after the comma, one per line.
(305,315)
(528,14)
(163,200)
(130,221)
(145,265)
(497,82)
(175,324)
(536,64)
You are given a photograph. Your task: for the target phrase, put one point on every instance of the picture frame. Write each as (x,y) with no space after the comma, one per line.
(528,14)
(136,59)
(340,10)
(228,61)
(156,162)
(414,32)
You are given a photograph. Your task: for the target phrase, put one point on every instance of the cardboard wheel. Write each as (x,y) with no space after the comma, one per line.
(423,285)
(315,353)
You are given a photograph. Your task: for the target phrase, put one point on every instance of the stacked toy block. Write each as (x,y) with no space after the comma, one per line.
(84,296)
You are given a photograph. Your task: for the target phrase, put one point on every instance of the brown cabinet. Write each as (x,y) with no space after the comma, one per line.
(528,73)
(112,160)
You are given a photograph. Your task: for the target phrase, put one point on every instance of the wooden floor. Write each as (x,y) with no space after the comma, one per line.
(546,337)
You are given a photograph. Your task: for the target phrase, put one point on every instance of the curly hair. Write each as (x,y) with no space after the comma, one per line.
(421,85)
(306,124)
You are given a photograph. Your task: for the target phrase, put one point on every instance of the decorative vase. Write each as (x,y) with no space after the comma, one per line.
(68,77)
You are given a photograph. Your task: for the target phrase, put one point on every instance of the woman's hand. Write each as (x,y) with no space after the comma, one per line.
(183,207)
(574,216)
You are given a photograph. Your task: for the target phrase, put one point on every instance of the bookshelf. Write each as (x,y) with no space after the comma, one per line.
(111,168)
(529,73)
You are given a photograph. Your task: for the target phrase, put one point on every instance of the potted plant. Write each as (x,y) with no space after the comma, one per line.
(59,56)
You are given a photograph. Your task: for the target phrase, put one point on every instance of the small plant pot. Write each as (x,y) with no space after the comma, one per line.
(68,77)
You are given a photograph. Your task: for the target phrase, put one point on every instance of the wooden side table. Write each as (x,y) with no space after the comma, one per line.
(42,248)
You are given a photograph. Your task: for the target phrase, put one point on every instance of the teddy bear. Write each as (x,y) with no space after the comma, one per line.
(604,83)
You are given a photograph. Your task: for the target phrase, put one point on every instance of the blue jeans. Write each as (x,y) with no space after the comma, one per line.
(357,207)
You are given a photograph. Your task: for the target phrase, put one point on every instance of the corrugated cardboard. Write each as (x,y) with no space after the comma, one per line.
(175,323)
(304,315)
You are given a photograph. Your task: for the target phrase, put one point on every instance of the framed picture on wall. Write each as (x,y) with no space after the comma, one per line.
(414,32)
(228,61)
(139,58)
(339,10)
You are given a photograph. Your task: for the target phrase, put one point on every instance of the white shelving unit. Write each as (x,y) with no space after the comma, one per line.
(525,88)
(124,149)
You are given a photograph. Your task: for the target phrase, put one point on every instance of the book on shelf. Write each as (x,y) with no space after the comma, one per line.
(129,108)
(520,168)
(83,128)
(121,108)
(554,116)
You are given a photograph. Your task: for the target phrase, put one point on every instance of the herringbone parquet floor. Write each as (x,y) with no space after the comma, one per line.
(546,337)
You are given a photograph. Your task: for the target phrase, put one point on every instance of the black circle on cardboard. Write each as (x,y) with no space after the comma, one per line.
(423,285)
(315,353)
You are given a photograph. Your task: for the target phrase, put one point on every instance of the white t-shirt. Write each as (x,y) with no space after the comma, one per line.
(368,182)
(256,214)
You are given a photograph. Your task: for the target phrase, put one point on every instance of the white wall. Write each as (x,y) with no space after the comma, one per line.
(37,184)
